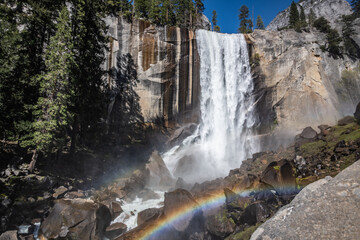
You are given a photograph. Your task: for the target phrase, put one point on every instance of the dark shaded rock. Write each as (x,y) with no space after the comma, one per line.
(176,200)
(76,219)
(9,235)
(255,213)
(234,201)
(346,120)
(220,224)
(60,192)
(357,113)
(148,215)
(279,175)
(115,230)
(115,209)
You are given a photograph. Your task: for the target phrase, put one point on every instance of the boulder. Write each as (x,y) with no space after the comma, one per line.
(326,209)
(346,120)
(279,175)
(255,213)
(148,215)
(234,201)
(115,210)
(60,192)
(76,219)
(181,133)
(306,136)
(357,113)
(324,130)
(220,224)
(115,230)
(159,174)
(174,202)
(9,235)
(72,195)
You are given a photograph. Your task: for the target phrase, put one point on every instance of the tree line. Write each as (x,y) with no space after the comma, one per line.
(337,44)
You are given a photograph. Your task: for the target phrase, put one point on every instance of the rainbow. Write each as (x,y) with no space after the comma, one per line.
(216,199)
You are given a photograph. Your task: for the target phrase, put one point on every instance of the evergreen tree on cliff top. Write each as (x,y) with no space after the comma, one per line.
(356,7)
(260,23)
(214,19)
(294,15)
(246,24)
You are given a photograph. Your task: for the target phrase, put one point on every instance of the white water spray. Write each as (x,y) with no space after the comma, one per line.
(224,136)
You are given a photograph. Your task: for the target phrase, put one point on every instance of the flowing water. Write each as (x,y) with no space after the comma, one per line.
(224,136)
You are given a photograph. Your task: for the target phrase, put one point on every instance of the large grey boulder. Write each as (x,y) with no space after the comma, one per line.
(326,209)
(76,219)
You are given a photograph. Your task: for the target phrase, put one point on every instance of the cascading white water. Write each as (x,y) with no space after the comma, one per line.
(224,136)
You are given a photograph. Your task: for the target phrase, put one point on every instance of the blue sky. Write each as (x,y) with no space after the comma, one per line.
(227,11)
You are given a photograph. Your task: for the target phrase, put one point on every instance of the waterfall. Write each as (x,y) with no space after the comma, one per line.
(224,136)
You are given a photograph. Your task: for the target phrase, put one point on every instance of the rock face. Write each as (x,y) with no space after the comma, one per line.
(332,10)
(297,85)
(76,219)
(326,209)
(167,63)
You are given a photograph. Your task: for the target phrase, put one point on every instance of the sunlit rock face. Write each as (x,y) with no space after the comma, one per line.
(167,63)
(298,85)
(332,10)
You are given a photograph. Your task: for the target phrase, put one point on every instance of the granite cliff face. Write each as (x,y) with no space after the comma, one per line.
(332,10)
(299,85)
(167,63)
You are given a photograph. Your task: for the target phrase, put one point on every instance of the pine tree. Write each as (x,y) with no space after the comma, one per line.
(214,19)
(303,22)
(245,23)
(53,115)
(142,8)
(311,17)
(294,15)
(155,12)
(348,31)
(217,28)
(167,13)
(184,10)
(90,42)
(356,7)
(199,6)
(260,23)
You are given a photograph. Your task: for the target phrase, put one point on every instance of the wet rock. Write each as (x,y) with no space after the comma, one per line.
(234,201)
(357,113)
(279,175)
(181,133)
(148,215)
(175,201)
(255,213)
(346,120)
(160,175)
(76,219)
(180,183)
(115,230)
(72,195)
(26,229)
(147,194)
(9,235)
(60,192)
(115,210)
(326,209)
(220,224)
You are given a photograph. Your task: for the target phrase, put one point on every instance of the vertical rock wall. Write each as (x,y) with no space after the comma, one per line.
(167,65)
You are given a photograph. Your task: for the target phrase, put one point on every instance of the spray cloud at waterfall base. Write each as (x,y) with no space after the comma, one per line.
(224,136)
